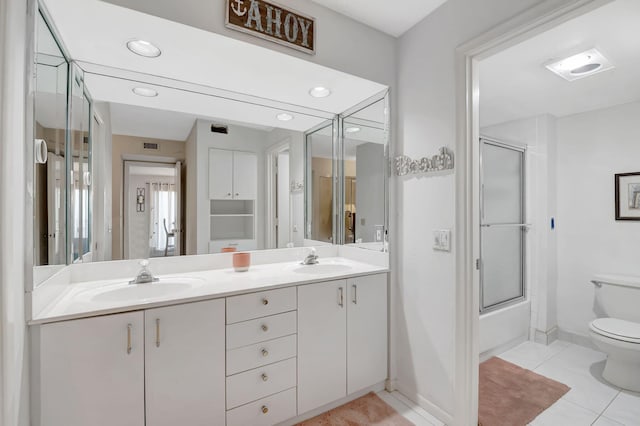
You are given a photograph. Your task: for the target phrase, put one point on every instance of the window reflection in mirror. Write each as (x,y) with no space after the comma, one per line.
(320,185)
(50,134)
(365,138)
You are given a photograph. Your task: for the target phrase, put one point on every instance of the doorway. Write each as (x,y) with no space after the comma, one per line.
(152,210)
(279,195)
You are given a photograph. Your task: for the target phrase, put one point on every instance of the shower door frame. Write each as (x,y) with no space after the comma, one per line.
(522,225)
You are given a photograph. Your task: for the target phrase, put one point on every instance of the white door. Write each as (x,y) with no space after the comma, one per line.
(185,364)
(322,334)
(245,176)
(92,372)
(220,174)
(282,201)
(366,332)
(178,213)
(56,211)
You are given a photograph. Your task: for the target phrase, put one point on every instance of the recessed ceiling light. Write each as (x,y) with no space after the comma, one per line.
(283,116)
(144,48)
(145,91)
(320,92)
(581,65)
(352,129)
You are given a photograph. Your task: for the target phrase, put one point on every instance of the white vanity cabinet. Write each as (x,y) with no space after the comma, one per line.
(184,364)
(342,339)
(233,175)
(90,372)
(108,370)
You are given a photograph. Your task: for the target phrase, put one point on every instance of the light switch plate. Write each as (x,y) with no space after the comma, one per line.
(442,240)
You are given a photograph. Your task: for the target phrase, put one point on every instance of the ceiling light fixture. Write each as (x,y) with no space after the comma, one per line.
(578,66)
(283,116)
(352,129)
(320,92)
(144,48)
(145,91)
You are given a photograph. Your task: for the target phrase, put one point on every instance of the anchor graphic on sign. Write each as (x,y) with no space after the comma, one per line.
(238,10)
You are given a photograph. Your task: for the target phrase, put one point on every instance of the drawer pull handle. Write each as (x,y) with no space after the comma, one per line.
(129,326)
(265,328)
(265,301)
(264,409)
(264,377)
(265,353)
(157,332)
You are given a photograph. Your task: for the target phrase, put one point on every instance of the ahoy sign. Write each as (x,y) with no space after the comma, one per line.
(272,22)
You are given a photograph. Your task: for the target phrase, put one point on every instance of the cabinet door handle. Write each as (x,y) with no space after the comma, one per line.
(264,377)
(265,328)
(355,294)
(157,332)
(265,301)
(129,327)
(264,352)
(264,409)
(341,297)
(237,194)
(228,194)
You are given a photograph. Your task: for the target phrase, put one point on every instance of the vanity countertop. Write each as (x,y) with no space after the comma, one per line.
(93,298)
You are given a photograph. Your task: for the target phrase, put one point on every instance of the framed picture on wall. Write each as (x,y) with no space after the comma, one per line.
(628,196)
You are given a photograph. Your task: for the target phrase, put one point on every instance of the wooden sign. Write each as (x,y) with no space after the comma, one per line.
(272,22)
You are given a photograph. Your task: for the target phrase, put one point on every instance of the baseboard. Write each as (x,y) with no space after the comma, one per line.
(576,339)
(427,405)
(310,414)
(546,337)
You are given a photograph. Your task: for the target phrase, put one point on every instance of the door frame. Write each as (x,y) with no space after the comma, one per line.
(531,22)
(271,156)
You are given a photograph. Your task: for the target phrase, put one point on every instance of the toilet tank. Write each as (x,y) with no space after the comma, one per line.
(617,296)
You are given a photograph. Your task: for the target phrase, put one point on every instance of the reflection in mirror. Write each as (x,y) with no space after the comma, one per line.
(320,184)
(50,134)
(365,142)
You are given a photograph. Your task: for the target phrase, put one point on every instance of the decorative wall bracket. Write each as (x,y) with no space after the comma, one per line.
(404,165)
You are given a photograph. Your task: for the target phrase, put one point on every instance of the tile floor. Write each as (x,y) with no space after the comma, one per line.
(591,400)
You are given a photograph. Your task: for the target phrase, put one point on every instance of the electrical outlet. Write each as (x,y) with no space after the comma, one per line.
(442,240)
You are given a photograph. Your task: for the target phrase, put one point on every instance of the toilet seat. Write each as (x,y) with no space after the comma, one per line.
(626,331)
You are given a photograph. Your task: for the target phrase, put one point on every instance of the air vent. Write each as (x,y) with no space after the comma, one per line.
(149,145)
(219,129)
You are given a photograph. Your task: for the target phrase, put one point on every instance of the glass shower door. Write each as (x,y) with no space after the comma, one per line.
(502,225)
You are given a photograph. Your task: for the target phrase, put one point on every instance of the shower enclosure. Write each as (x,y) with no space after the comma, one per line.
(502,225)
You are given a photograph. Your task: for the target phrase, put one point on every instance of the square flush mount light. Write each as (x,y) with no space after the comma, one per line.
(581,65)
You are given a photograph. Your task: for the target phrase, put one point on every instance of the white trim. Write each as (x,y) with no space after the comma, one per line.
(535,20)
(271,157)
(429,406)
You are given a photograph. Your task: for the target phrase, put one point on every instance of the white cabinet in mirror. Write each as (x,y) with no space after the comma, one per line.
(148,163)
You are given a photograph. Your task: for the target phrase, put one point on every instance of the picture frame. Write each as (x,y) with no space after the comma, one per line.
(627,196)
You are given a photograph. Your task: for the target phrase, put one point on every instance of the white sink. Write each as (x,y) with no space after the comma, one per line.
(143,292)
(323,268)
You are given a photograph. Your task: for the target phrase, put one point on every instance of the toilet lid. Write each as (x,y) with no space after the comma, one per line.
(618,329)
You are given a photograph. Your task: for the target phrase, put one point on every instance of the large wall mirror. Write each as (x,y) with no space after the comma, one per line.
(145,165)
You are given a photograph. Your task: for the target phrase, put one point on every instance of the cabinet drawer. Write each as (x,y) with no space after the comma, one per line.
(261,329)
(253,356)
(265,412)
(256,305)
(260,382)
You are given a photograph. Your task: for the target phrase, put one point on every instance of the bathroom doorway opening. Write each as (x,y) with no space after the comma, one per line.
(152,210)
(502,225)
(279,196)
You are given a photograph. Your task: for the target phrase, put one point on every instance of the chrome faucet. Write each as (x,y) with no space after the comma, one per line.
(144,276)
(311,259)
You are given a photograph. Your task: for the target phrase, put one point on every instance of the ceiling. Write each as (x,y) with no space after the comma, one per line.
(392,17)
(515,84)
(96,32)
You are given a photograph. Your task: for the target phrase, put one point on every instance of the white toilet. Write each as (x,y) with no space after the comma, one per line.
(617,331)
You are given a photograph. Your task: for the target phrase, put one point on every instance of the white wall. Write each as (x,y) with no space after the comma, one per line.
(425,279)
(14,377)
(592,147)
(538,134)
(341,43)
